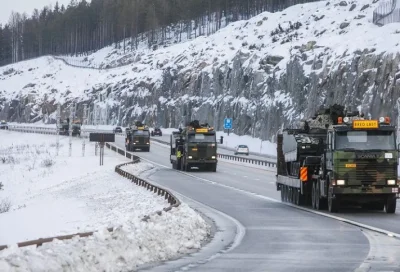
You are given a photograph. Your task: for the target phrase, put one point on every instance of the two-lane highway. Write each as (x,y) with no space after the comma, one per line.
(278,237)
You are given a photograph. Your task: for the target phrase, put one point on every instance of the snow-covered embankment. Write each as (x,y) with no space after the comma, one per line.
(51,195)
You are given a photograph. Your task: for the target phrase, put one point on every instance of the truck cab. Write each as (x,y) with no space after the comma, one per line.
(339,158)
(138,137)
(361,163)
(194,146)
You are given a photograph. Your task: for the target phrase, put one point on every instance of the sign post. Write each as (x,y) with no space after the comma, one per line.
(100,139)
(228,124)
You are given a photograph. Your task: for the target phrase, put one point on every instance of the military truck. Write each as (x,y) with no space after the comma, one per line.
(338,158)
(76,128)
(64,128)
(194,146)
(138,137)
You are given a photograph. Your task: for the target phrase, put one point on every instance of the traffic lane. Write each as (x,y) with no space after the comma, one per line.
(221,150)
(250,156)
(262,182)
(241,177)
(278,238)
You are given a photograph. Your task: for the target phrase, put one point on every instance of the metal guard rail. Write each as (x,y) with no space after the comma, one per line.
(162,192)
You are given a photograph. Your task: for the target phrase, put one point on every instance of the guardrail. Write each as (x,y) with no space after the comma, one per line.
(162,192)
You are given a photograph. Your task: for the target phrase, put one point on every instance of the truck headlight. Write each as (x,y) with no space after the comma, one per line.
(391,182)
(213,157)
(190,157)
(340,182)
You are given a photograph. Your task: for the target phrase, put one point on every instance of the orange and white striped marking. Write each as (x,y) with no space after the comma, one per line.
(303,174)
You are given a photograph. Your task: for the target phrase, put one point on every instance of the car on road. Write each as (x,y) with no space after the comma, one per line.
(3,125)
(242,149)
(156,131)
(118,130)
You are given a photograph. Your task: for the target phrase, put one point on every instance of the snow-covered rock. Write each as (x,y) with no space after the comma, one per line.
(265,72)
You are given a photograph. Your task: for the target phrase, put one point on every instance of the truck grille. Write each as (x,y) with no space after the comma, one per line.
(370,171)
(202,152)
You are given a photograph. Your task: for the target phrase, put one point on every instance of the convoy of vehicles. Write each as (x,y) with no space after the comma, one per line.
(76,129)
(194,146)
(339,158)
(3,124)
(241,149)
(138,137)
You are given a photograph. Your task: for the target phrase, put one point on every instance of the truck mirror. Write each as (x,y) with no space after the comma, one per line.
(221,141)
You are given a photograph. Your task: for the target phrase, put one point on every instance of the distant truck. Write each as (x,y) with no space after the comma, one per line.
(3,124)
(194,146)
(339,158)
(138,137)
(76,128)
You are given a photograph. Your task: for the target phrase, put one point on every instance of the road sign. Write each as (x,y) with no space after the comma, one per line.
(228,123)
(102,137)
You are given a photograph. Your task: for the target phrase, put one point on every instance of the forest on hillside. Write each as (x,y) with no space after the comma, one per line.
(83,27)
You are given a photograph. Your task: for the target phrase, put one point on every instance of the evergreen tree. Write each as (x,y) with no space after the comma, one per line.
(83,27)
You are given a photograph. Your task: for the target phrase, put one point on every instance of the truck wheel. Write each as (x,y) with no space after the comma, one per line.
(333,204)
(390,205)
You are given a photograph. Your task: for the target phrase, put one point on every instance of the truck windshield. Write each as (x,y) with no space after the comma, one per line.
(202,138)
(365,140)
(141,133)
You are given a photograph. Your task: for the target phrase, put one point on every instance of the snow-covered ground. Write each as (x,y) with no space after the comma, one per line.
(52,194)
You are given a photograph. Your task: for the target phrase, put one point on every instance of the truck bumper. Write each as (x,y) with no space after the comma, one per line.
(201,161)
(365,190)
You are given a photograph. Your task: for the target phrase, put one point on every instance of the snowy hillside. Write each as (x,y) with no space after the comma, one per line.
(259,72)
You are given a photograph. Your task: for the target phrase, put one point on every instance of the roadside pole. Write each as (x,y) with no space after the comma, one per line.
(70,130)
(58,128)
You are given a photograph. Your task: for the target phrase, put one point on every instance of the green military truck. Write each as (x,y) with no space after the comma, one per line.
(194,146)
(338,158)
(138,137)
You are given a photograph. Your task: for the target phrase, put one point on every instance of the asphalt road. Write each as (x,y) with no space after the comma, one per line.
(278,237)
(221,150)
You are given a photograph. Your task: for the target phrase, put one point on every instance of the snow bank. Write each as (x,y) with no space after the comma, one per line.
(161,238)
(55,195)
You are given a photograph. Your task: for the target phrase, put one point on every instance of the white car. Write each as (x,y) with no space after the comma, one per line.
(242,149)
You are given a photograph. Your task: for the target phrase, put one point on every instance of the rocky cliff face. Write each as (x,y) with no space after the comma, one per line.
(263,75)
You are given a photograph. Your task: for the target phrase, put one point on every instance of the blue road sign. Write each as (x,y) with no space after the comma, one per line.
(228,123)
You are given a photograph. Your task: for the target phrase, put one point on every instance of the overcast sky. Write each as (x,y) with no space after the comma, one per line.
(6,6)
